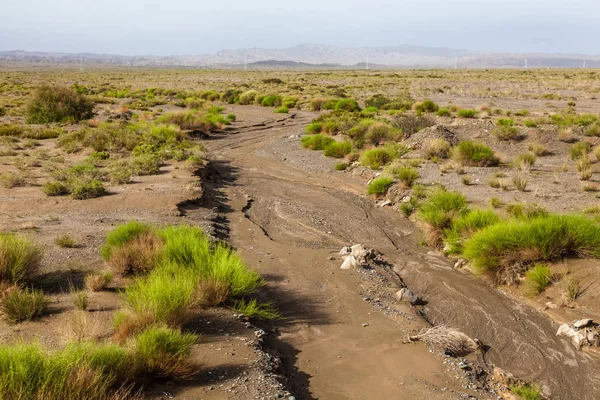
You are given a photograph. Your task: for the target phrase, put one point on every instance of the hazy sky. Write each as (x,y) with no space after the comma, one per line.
(168,27)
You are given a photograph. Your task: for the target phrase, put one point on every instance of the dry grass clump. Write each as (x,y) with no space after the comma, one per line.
(140,255)
(96,281)
(524,161)
(451,341)
(19,259)
(22,305)
(520,181)
(572,288)
(439,148)
(66,241)
(84,326)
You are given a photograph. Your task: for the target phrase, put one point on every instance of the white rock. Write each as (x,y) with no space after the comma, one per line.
(582,323)
(460,263)
(345,251)
(350,262)
(384,203)
(567,331)
(406,295)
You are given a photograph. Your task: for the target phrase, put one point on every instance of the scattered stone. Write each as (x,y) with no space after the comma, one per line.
(461,262)
(365,325)
(384,203)
(345,251)
(503,377)
(567,331)
(406,295)
(551,305)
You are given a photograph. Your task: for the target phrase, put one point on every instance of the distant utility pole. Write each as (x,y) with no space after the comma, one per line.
(525,63)
(245,61)
(583,64)
(80,63)
(455,62)
(367,61)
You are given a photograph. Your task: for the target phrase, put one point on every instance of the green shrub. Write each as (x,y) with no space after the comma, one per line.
(282,110)
(316,142)
(530,123)
(526,211)
(87,189)
(231,117)
(122,236)
(465,225)
(247,97)
(22,305)
(19,259)
(579,150)
(11,130)
(444,112)
(377,101)
(338,149)
(507,132)
(145,164)
(476,154)
(524,161)
(316,104)
(342,166)
(314,128)
(79,371)
(378,132)
(406,175)
(347,105)
(527,392)
(526,241)
(427,106)
(253,309)
(164,351)
(593,130)
(441,208)
(271,101)
(537,278)
(380,156)
(58,104)
(379,185)
(56,188)
(466,113)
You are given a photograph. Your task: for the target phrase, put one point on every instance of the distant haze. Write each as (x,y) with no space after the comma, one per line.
(177,27)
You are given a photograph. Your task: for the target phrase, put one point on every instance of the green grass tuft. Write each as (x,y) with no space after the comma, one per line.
(22,305)
(316,142)
(476,154)
(442,207)
(526,241)
(19,259)
(253,309)
(379,185)
(538,278)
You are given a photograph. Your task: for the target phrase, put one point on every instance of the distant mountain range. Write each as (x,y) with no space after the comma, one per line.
(321,56)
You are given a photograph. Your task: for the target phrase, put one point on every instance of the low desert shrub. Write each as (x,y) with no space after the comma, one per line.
(579,150)
(316,142)
(66,240)
(410,124)
(165,352)
(426,106)
(443,112)
(282,110)
(406,175)
(338,149)
(441,208)
(466,113)
(527,392)
(439,148)
(22,305)
(347,105)
(379,185)
(247,97)
(475,154)
(537,279)
(497,249)
(380,156)
(465,225)
(507,132)
(87,189)
(58,104)
(122,235)
(19,259)
(97,281)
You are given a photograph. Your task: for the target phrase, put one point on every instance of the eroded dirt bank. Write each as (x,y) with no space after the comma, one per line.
(288,212)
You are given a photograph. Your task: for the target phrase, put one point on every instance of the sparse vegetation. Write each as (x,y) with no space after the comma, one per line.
(58,104)
(472,153)
(380,185)
(20,305)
